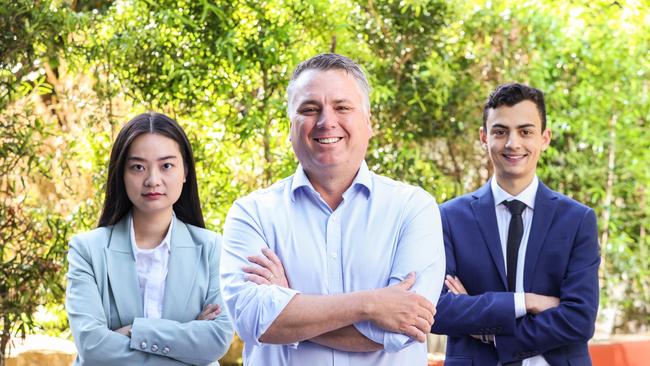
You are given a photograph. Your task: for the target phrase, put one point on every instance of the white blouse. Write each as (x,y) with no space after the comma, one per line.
(151,266)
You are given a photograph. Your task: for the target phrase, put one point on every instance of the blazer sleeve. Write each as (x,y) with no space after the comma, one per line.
(197,342)
(574,319)
(96,344)
(461,315)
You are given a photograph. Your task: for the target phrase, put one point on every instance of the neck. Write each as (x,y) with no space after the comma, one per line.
(514,186)
(331,185)
(150,228)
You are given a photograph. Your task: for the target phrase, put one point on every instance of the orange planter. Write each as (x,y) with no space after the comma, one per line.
(621,353)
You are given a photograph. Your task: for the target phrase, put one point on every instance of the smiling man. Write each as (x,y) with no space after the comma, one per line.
(334,265)
(522,260)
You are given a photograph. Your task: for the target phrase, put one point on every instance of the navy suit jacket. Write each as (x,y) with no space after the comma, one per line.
(562,260)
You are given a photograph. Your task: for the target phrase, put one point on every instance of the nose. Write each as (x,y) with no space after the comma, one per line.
(327,118)
(513,141)
(153,178)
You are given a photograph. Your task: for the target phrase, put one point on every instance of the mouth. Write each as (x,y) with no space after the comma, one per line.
(152,194)
(514,158)
(328,140)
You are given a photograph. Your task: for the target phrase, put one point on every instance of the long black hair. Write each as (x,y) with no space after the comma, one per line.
(116,201)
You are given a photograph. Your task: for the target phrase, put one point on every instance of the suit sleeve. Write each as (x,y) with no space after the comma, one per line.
(420,249)
(96,344)
(197,342)
(462,315)
(573,320)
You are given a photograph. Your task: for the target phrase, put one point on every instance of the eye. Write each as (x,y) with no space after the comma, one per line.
(343,108)
(137,167)
(167,166)
(499,132)
(527,132)
(308,111)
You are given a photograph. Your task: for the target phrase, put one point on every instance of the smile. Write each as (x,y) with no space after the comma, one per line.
(329,140)
(514,158)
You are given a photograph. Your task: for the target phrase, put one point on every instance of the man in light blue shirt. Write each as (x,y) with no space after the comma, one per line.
(352,261)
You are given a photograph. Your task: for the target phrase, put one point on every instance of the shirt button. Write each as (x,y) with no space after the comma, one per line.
(143,345)
(166,350)
(154,347)
(333,254)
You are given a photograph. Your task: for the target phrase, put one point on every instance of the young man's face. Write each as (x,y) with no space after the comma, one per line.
(330,127)
(514,140)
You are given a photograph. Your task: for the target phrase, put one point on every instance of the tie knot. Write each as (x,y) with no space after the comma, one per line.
(515,207)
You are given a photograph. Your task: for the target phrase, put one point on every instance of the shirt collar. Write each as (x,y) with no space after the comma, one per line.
(526,196)
(165,243)
(363,178)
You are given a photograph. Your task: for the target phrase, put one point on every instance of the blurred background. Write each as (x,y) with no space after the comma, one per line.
(73,72)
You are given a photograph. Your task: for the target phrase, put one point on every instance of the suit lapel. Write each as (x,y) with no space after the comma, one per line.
(545,205)
(120,264)
(485,216)
(181,271)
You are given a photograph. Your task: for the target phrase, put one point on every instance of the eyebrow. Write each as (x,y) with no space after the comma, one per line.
(137,158)
(317,102)
(525,125)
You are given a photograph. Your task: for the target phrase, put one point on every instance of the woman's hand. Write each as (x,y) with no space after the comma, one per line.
(268,270)
(210,311)
(125,330)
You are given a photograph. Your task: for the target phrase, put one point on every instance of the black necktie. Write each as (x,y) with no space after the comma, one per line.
(515,232)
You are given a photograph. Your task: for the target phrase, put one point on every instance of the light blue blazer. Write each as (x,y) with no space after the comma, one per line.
(103,295)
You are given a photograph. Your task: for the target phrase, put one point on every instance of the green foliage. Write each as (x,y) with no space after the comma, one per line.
(221,69)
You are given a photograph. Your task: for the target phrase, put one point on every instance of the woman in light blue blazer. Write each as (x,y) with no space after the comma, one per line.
(143,288)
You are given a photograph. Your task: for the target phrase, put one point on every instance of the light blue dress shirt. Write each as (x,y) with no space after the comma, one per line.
(381,231)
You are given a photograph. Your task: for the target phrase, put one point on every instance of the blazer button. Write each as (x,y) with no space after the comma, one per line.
(143,345)
(166,350)
(154,347)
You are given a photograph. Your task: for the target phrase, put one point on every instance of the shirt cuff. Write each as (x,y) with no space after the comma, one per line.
(520,304)
(392,342)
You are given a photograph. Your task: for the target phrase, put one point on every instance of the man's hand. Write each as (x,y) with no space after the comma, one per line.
(454,285)
(125,330)
(269,269)
(399,310)
(210,312)
(536,303)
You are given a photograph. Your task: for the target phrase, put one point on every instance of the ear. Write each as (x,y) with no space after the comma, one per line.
(546,137)
(483,137)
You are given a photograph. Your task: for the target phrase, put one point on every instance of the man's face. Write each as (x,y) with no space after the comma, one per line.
(330,127)
(514,140)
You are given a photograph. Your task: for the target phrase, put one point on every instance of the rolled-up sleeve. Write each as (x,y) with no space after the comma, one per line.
(420,249)
(252,307)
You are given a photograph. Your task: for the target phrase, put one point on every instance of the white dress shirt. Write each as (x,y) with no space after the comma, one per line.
(381,231)
(526,196)
(151,266)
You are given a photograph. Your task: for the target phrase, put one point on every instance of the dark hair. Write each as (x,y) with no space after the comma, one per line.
(333,61)
(116,201)
(513,93)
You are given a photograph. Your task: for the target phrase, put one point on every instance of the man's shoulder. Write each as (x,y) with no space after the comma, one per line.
(384,184)
(568,203)
(272,192)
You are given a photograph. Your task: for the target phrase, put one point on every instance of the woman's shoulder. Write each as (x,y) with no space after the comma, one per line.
(203,236)
(97,236)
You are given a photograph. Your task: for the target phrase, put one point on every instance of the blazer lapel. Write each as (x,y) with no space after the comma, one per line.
(545,205)
(485,216)
(122,274)
(181,271)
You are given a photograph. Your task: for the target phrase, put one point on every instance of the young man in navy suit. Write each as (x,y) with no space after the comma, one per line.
(522,260)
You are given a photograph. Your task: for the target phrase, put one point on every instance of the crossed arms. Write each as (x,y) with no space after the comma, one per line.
(387,318)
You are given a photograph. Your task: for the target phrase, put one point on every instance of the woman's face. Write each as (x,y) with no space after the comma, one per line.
(154,174)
